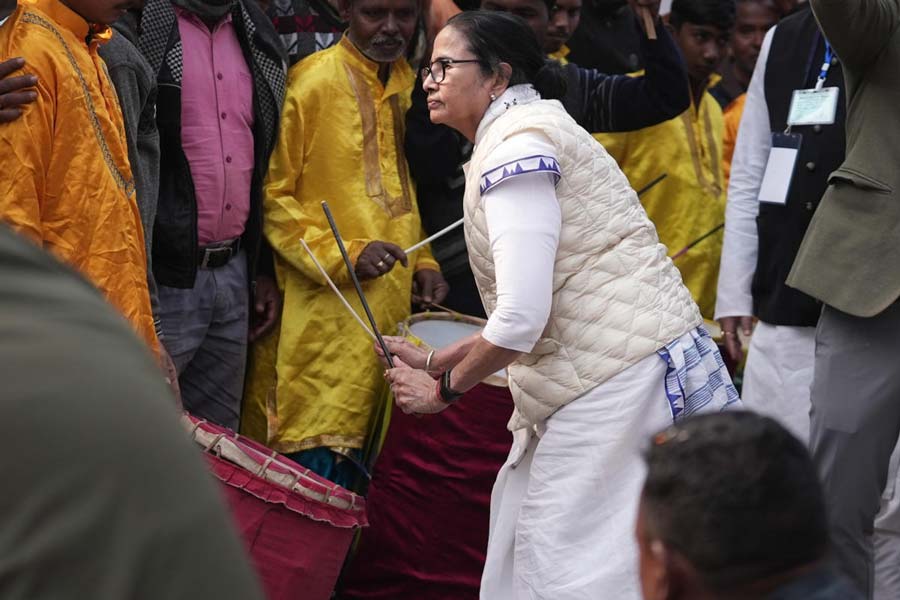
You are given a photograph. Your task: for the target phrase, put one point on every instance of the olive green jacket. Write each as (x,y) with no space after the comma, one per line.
(850,257)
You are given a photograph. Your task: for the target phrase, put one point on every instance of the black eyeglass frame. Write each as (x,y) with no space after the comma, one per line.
(429,70)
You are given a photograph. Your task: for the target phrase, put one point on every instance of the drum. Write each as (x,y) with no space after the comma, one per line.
(435,330)
(297,527)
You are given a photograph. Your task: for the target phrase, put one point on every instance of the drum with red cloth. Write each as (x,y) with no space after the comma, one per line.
(429,500)
(296,526)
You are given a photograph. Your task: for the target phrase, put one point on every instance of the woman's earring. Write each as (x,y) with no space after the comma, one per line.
(493,97)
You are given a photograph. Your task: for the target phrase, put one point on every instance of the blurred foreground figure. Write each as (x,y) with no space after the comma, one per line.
(104,496)
(732,509)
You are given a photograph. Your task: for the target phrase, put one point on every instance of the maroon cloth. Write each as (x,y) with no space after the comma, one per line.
(429,502)
(297,544)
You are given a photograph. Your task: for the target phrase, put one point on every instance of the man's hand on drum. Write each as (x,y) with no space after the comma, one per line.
(378,258)
(732,340)
(429,287)
(415,391)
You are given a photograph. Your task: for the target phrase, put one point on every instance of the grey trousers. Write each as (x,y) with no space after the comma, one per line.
(855,423)
(205,333)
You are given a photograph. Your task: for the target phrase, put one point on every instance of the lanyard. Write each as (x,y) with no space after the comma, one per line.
(826,65)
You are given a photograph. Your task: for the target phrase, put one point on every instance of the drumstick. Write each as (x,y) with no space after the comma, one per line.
(431,238)
(456,224)
(335,289)
(647,20)
(685,250)
(650,185)
(359,291)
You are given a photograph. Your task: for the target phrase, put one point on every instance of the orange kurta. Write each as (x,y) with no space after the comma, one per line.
(733,114)
(65,180)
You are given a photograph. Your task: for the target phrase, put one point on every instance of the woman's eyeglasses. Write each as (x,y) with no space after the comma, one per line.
(438,69)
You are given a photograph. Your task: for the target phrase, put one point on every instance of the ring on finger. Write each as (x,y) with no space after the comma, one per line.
(380,265)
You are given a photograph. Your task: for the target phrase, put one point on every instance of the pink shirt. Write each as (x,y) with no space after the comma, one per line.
(216,125)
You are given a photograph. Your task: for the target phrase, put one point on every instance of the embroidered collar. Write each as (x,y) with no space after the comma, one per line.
(399,81)
(68,19)
(516,95)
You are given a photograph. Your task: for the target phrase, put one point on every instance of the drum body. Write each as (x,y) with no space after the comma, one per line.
(430,496)
(297,527)
(437,330)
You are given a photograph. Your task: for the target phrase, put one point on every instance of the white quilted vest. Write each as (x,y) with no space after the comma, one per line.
(617,298)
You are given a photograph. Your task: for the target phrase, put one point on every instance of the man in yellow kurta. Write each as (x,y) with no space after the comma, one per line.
(690,202)
(65,181)
(341,141)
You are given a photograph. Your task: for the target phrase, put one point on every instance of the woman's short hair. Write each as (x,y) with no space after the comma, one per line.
(498,37)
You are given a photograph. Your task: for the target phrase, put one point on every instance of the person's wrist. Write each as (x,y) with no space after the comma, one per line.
(445,392)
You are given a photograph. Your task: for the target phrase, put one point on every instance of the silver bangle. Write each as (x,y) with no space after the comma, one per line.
(428,362)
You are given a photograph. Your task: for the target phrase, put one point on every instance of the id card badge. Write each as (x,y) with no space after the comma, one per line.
(814,107)
(780,169)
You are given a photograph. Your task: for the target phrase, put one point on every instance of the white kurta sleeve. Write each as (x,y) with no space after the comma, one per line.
(523,219)
(751,153)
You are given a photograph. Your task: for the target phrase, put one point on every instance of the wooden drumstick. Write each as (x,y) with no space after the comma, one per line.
(359,291)
(335,289)
(431,238)
(647,20)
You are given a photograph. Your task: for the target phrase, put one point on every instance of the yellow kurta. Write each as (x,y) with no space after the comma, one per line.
(342,141)
(65,181)
(690,201)
(560,55)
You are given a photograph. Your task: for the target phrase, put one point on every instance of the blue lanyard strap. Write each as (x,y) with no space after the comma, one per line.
(826,65)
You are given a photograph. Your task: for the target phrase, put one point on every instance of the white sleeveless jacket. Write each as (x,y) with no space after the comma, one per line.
(617,298)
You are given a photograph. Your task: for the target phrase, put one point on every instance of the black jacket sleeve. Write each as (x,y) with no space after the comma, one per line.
(610,103)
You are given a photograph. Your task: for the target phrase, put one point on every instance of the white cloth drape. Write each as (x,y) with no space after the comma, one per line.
(562,519)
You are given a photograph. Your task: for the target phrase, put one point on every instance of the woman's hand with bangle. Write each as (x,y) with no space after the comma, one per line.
(415,391)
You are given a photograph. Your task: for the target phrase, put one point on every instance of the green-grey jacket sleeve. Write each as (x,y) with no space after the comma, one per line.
(857,29)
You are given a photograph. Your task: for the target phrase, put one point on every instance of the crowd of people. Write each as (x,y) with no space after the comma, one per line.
(601,185)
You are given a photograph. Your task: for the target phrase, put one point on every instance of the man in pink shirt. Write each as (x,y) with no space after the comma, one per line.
(220,70)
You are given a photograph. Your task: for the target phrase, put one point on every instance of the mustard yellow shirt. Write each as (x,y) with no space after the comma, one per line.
(690,201)
(342,141)
(65,181)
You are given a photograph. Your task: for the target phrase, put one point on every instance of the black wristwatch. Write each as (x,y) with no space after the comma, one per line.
(448,394)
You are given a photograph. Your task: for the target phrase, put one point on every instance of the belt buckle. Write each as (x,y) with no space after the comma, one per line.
(209,252)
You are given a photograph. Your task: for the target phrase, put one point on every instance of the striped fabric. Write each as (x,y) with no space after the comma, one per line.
(696,378)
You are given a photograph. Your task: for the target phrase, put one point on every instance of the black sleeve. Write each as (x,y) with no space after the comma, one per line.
(620,103)
(433,151)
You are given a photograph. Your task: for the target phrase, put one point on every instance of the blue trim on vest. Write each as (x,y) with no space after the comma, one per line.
(538,163)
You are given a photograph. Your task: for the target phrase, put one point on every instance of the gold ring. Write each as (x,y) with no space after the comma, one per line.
(729,333)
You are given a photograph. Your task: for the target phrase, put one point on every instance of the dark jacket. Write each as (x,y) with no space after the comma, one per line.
(604,103)
(135,86)
(175,247)
(795,58)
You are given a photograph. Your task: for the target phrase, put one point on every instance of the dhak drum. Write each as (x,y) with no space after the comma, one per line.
(436,330)
(296,526)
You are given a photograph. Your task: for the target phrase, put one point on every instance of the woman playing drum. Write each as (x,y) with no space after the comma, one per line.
(602,341)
